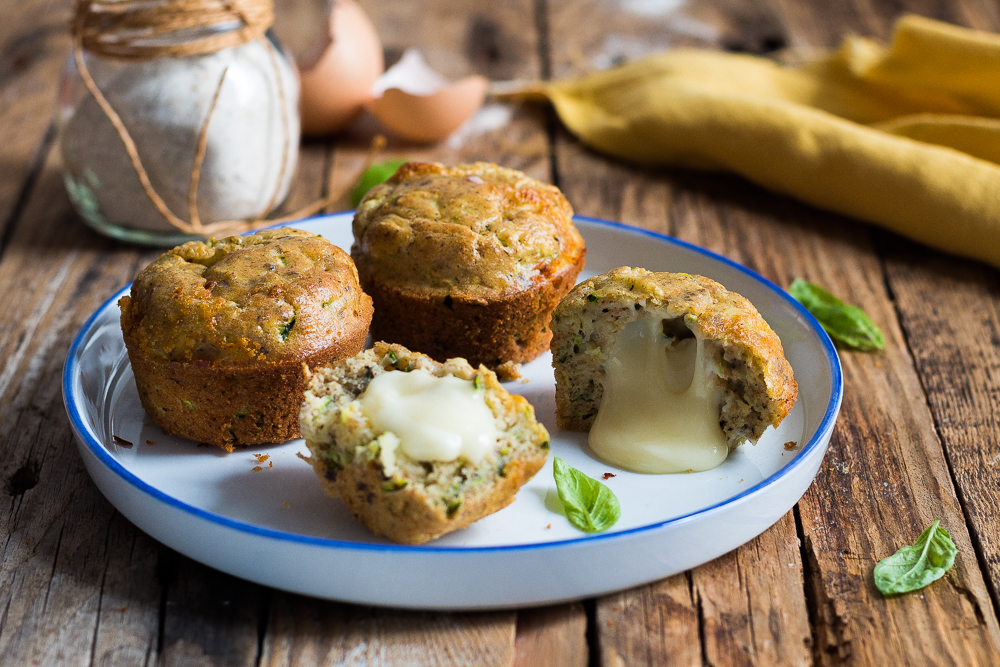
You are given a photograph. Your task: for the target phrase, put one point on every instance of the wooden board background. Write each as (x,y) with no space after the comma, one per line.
(918,437)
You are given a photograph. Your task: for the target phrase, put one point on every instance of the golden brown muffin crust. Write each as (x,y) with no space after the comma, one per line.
(271,295)
(219,333)
(484,229)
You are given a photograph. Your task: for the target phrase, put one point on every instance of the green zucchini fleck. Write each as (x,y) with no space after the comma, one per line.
(394,484)
(287,328)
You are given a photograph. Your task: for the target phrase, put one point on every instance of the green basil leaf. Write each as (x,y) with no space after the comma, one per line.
(914,567)
(589,505)
(846,324)
(378,173)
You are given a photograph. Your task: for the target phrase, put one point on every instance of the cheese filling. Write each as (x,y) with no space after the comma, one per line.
(660,409)
(432,418)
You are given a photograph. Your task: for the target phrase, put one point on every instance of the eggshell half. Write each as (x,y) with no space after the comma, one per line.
(338,86)
(430,118)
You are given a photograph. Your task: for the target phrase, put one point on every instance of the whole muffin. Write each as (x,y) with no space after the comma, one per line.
(742,363)
(379,474)
(219,332)
(466,261)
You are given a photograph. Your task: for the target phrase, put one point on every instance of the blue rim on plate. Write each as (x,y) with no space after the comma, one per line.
(826,425)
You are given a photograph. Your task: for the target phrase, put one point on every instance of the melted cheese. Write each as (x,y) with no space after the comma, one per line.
(659,412)
(432,418)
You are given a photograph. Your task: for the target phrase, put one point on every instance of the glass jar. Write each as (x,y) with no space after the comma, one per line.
(251,143)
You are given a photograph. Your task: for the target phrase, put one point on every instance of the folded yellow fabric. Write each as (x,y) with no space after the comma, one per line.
(907,137)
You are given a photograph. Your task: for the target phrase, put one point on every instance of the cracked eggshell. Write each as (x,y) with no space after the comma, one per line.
(337,84)
(418,104)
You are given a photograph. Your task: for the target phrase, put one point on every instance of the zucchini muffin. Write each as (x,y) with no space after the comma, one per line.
(666,342)
(466,261)
(413,482)
(219,332)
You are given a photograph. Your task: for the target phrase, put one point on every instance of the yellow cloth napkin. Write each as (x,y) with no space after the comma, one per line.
(907,137)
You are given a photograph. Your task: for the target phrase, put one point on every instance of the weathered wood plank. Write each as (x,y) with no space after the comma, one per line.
(59,532)
(34,39)
(209,618)
(552,637)
(304,631)
(760,618)
(649,625)
(950,312)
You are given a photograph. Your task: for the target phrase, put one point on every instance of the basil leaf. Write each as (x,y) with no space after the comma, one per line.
(846,324)
(589,505)
(914,567)
(377,173)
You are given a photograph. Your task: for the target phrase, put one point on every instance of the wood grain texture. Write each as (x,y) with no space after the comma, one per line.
(553,636)
(917,438)
(304,631)
(950,312)
(655,624)
(61,536)
(34,41)
(760,617)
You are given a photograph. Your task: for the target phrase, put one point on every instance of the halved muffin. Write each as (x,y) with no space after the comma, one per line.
(643,360)
(466,261)
(217,332)
(418,448)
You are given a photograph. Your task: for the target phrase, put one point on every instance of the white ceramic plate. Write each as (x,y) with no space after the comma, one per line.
(270,522)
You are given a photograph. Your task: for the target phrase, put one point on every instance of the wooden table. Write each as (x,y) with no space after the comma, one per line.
(918,437)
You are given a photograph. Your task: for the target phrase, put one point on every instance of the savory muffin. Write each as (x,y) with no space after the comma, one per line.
(654,353)
(218,332)
(466,261)
(418,448)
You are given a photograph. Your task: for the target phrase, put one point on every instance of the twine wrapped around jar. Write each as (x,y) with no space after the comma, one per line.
(140,30)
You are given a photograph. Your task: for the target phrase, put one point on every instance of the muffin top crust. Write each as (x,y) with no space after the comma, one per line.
(275,295)
(478,229)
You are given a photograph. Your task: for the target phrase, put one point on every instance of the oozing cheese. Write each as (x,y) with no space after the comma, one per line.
(433,418)
(659,412)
